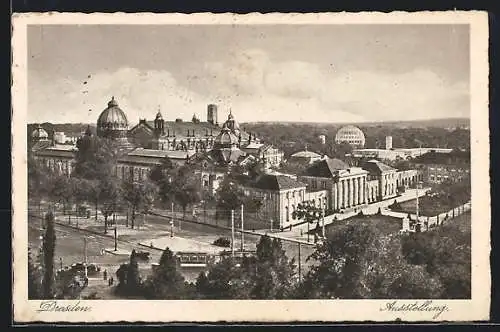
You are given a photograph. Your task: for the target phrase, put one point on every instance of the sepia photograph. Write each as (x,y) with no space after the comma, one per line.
(248,158)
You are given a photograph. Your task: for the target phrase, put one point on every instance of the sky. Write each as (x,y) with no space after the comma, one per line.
(310,73)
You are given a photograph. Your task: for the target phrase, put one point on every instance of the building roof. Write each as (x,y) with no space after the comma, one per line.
(453,157)
(326,168)
(112,117)
(62,151)
(306,154)
(41,145)
(149,153)
(276,182)
(376,166)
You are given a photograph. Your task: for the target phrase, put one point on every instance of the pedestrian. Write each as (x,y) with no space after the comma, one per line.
(105,274)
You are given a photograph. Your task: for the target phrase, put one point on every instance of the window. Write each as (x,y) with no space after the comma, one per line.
(432,177)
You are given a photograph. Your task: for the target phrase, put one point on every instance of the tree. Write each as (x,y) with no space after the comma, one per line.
(309,212)
(166,282)
(229,197)
(62,190)
(186,187)
(163,176)
(444,253)
(274,276)
(95,158)
(225,280)
(129,279)
(34,278)
(357,261)
(49,245)
(109,196)
(140,196)
(387,275)
(38,181)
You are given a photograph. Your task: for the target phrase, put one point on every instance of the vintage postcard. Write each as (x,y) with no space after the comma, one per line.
(250,168)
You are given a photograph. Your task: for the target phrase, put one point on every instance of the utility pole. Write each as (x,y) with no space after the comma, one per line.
(308,230)
(300,266)
(173,218)
(116,242)
(418,183)
(232,232)
(85,255)
(323,230)
(242,229)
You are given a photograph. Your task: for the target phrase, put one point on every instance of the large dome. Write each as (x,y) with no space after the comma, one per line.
(112,122)
(350,134)
(226,138)
(39,134)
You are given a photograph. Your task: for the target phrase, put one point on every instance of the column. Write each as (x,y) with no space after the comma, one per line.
(334,197)
(360,183)
(349,198)
(344,193)
(364,189)
(354,191)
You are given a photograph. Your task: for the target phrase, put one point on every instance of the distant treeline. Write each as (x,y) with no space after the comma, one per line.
(292,137)
(70,129)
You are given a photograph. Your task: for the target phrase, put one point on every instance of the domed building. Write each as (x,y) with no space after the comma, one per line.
(113,123)
(226,149)
(232,124)
(39,134)
(352,135)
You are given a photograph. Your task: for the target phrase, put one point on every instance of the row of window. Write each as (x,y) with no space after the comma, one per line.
(459,170)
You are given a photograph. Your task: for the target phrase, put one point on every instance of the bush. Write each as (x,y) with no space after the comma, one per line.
(222,242)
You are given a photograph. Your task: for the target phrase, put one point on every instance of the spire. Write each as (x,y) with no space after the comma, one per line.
(112,102)
(88,132)
(158,114)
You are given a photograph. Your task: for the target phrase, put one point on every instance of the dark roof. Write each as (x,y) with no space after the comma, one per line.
(40,145)
(454,157)
(325,168)
(276,182)
(375,167)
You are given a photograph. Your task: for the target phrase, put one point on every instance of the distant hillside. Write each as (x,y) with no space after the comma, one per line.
(436,123)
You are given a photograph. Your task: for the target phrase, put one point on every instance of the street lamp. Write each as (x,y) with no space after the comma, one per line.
(417,207)
(85,239)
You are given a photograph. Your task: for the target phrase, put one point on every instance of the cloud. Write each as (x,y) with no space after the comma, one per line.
(256,88)
(139,93)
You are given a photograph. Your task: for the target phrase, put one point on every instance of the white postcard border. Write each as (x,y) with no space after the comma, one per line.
(259,310)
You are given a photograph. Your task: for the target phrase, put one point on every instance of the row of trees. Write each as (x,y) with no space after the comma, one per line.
(294,137)
(356,262)
(94,182)
(44,282)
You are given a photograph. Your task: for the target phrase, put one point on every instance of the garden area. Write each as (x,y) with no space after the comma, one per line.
(441,199)
(385,224)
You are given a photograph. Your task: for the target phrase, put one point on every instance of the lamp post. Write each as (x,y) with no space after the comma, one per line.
(116,242)
(417,207)
(85,255)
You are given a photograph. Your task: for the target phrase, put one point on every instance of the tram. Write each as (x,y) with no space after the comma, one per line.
(193,259)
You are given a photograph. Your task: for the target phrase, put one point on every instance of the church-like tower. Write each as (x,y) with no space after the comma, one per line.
(159,124)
